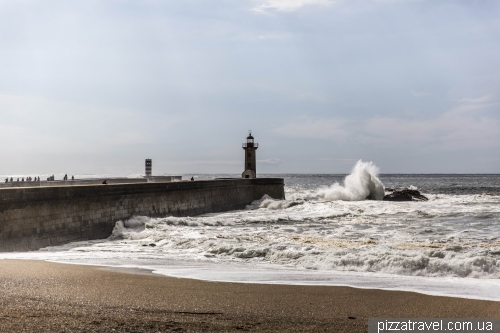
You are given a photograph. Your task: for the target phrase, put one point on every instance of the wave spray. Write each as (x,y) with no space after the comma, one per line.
(363,183)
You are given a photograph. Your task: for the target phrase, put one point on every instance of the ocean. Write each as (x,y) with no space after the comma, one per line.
(324,233)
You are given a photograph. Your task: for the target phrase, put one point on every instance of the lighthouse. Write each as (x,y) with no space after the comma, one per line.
(250,162)
(149,166)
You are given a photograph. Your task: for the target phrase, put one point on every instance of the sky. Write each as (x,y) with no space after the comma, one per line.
(92,87)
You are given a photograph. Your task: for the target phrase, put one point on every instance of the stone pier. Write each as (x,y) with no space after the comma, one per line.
(36,217)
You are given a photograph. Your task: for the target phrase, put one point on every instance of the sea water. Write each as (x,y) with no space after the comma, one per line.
(330,230)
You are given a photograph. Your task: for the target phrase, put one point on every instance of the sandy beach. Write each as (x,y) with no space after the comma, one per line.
(38,296)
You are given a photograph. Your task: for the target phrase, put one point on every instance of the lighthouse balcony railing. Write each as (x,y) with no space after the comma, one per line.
(249,144)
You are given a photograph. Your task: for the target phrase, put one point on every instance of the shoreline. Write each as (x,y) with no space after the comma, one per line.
(382,279)
(40,296)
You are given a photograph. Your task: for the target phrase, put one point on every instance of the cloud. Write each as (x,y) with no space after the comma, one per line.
(478,100)
(331,129)
(126,138)
(272,160)
(263,37)
(264,6)
(205,162)
(38,123)
(420,93)
(275,36)
(287,5)
(467,125)
(338,160)
(317,97)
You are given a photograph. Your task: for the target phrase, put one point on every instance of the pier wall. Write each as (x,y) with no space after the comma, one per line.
(57,183)
(36,217)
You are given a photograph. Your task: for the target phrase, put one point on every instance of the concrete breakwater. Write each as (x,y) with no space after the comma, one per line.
(56,183)
(35,217)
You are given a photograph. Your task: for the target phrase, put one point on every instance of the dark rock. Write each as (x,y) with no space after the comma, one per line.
(152,244)
(405,195)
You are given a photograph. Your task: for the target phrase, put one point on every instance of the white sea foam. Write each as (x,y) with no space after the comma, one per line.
(408,239)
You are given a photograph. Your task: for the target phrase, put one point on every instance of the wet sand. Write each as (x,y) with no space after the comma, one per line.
(37,296)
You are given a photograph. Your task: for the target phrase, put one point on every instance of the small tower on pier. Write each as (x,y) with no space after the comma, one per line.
(149,167)
(250,161)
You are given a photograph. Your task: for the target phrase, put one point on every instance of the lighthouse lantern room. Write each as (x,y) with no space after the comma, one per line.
(250,161)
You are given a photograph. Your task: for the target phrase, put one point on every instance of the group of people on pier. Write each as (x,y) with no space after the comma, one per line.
(35,179)
(28,179)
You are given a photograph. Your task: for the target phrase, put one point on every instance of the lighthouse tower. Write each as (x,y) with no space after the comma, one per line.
(149,166)
(250,162)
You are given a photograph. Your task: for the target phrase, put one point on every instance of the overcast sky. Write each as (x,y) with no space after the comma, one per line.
(98,86)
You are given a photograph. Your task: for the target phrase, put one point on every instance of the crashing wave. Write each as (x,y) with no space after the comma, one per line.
(362,184)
